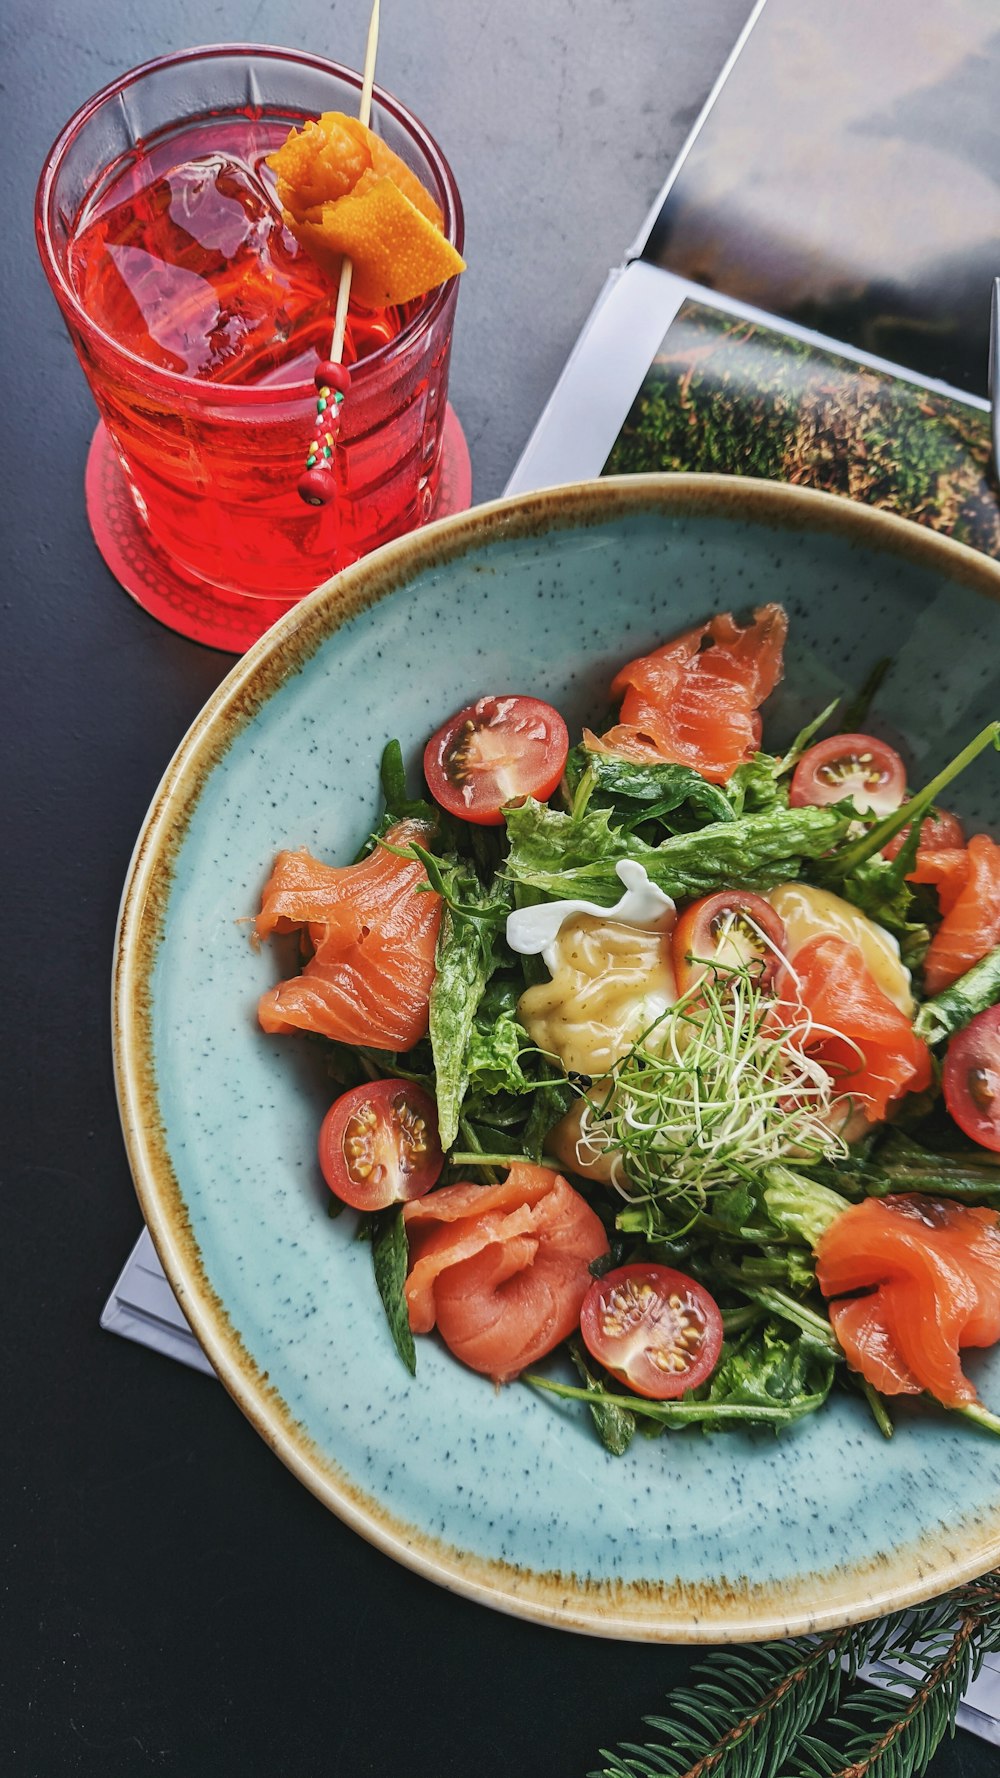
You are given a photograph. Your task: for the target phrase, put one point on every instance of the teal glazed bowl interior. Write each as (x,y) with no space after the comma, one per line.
(498,1493)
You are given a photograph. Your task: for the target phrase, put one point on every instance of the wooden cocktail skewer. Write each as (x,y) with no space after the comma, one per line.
(333,379)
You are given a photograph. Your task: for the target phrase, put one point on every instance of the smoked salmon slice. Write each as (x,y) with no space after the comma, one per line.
(836,1012)
(941,858)
(946,868)
(695,701)
(373,933)
(971,925)
(861,1326)
(501,1270)
(932,1271)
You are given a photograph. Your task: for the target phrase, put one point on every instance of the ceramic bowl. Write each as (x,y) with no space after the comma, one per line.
(500,1494)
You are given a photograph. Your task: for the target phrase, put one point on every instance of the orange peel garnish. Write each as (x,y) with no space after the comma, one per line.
(345,194)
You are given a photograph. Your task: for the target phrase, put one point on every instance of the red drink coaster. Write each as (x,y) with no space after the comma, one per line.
(191,606)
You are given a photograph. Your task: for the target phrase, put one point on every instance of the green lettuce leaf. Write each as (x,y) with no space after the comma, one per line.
(762,782)
(575,855)
(511,1085)
(467,955)
(496,1042)
(954,1007)
(757,785)
(801,1208)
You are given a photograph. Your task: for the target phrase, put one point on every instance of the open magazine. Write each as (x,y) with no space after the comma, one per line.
(668,375)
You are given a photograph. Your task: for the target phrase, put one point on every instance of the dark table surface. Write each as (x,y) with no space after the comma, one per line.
(173,1601)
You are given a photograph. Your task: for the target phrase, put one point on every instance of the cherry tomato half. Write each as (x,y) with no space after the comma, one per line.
(655,1330)
(493,753)
(971,1079)
(850,767)
(940,831)
(732,928)
(378,1144)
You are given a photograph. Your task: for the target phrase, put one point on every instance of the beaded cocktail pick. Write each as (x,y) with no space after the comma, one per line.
(333,379)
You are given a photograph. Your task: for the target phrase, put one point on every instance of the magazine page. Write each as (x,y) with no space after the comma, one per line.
(845,175)
(668,376)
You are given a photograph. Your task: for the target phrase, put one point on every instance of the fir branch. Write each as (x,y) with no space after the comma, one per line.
(744,1712)
(777,1711)
(894,1731)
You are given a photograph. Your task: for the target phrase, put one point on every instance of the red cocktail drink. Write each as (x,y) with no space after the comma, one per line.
(199,321)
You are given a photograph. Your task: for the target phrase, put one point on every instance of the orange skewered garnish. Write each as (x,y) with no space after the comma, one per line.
(346,195)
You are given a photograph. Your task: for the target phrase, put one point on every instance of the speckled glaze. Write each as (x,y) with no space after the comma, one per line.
(499,1494)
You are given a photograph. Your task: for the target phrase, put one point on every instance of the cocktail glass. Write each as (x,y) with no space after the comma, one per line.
(206,391)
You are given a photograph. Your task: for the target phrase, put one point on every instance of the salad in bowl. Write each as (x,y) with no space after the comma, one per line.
(666,1052)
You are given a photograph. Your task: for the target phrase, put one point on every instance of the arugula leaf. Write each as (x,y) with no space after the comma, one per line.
(770,1265)
(552,1097)
(765,1377)
(532,968)
(392,776)
(766,1368)
(648,791)
(901,1165)
(878,888)
(804,739)
(458,885)
(615,1425)
(877,1407)
(566,855)
(399,805)
(498,1111)
(390,1255)
(879,835)
(487,847)
(814,1329)
(345,1065)
(467,955)
(855,712)
(351,1064)
(489,1147)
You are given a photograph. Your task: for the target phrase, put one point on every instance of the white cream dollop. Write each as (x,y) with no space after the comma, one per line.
(610,969)
(533,932)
